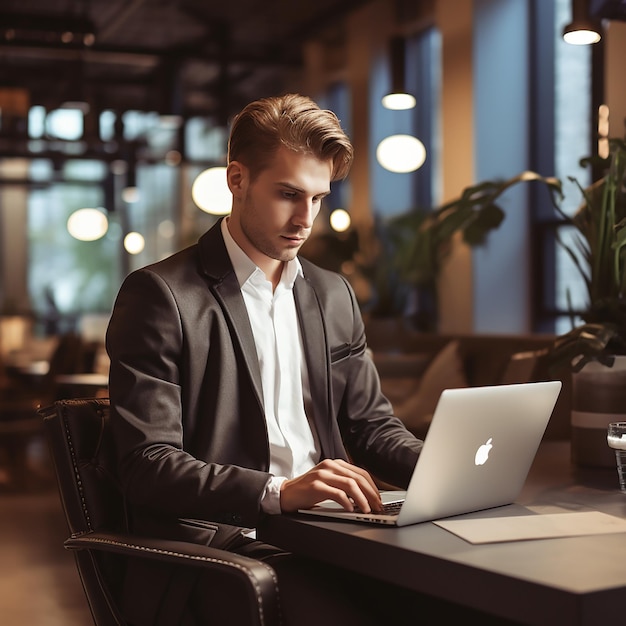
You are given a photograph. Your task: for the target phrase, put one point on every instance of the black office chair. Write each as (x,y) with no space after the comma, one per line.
(81,448)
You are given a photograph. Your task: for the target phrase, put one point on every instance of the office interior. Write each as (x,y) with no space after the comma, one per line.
(123,107)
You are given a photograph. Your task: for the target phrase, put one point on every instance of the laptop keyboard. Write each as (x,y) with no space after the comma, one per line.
(389,508)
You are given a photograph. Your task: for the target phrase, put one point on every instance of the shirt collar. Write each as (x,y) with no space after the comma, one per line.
(245,268)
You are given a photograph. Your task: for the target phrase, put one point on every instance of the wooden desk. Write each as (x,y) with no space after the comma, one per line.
(576,580)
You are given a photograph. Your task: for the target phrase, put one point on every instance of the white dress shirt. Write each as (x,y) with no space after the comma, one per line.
(294,447)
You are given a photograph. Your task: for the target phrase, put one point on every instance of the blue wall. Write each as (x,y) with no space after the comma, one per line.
(502,141)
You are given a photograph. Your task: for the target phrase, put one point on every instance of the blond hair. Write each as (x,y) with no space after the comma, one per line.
(295,122)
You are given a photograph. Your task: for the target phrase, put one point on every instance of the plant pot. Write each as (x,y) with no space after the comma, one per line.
(598,398)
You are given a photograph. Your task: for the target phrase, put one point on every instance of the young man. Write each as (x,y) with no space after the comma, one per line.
(240,383)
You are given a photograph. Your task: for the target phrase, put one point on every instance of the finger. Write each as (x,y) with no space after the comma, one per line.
(339,496)
(366,483)
(354,486)
(355,469)
(312,488)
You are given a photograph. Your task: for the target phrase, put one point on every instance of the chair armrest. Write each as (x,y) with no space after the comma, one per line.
(256,576)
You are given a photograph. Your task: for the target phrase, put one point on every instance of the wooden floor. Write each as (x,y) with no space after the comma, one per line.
(39,584)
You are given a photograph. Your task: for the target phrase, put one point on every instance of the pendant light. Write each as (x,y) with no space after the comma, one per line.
(398,98)
(582,30)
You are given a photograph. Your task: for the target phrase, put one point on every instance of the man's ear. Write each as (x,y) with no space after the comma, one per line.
(236,177)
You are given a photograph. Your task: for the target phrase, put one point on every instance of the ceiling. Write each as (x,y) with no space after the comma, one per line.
(189,58)
(607,9)
(184,57)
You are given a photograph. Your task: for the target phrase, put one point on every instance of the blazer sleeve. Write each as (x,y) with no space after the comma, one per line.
(374,438)
(146,342)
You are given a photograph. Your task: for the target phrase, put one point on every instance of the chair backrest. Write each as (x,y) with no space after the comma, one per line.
(83,452)
(83,455)
(84,459)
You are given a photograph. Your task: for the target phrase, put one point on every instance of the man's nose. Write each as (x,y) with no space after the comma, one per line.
(305,213)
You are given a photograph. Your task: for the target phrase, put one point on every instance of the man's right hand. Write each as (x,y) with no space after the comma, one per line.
(332,479)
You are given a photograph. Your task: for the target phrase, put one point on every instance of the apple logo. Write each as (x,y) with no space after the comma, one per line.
(482,454)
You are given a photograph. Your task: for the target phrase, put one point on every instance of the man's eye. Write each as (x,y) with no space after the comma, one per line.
(289,195)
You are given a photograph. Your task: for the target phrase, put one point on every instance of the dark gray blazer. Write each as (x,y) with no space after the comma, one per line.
(186,394)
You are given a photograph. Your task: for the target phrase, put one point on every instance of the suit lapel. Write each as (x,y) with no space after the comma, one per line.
(315,353)
(225,286)
(237,315)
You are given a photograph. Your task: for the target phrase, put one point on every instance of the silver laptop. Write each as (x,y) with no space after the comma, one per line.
(476,455)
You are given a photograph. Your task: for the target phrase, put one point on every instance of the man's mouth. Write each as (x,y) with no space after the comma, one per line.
(295,239)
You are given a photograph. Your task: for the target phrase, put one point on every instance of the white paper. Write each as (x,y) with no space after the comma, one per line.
(525,527)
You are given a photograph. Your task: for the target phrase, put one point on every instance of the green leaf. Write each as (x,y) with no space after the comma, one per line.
(486,220)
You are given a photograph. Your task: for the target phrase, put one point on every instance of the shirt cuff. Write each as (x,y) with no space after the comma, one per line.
(270,502)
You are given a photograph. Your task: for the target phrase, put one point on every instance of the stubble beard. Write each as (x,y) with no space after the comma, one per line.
(266,246)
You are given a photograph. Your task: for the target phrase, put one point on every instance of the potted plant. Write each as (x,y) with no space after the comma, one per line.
(413,246)
(595,350)
(598,253)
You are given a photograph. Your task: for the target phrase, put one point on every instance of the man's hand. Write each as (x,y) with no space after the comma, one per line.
(332,479)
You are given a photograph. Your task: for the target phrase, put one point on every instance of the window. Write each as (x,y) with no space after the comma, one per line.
(561,287)
(67,277)
(337,99)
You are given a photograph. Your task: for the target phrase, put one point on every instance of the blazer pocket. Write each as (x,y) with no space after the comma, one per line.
(340,352)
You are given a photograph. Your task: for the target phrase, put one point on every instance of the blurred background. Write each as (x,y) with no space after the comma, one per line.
(114,116)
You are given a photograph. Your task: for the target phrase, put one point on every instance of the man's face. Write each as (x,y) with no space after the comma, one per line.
(273,214)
